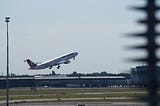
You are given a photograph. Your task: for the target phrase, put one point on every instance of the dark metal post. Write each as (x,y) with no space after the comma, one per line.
(151,47)
(7,97)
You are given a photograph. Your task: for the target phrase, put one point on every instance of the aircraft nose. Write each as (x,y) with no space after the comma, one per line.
(76,53)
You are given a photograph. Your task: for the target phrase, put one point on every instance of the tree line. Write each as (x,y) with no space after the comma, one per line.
(73,74)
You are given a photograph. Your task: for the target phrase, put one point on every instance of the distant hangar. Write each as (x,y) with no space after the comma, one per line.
(64,81)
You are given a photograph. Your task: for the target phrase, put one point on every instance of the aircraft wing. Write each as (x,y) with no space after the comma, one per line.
(64,62)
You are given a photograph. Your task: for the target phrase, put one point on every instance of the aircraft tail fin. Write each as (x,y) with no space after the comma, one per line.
(30,63)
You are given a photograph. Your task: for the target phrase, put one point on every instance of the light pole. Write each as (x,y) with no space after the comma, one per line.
(7,97)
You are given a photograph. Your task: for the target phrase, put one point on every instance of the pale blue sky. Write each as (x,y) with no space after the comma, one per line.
(43,29)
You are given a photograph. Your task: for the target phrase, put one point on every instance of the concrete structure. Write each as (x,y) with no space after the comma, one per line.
(139,75)
(63,81)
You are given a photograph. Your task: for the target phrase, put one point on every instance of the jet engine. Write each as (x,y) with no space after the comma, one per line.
(66,62)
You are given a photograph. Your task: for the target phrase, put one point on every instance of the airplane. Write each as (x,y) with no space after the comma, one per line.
(64,59)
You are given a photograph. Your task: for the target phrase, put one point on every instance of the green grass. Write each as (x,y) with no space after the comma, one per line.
(27,91)
(73,96)
(51,93)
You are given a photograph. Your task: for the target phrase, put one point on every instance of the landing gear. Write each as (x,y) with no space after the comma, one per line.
(58,66)
(50,67)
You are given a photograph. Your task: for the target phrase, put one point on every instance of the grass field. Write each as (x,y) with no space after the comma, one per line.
(82,94)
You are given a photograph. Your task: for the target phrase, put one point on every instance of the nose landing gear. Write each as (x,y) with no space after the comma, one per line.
(58,66)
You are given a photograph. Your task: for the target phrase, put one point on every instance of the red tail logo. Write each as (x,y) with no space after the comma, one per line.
(30,63)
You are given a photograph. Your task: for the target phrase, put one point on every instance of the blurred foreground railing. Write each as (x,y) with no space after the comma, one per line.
(150,47)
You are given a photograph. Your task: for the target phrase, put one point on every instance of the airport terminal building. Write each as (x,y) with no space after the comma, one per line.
(64,81)
(139,75)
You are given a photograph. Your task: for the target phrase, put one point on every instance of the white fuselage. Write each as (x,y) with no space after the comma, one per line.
(56,61)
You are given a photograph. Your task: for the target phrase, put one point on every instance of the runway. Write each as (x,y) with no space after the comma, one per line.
(63,99)
(74,97)
(81,103)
